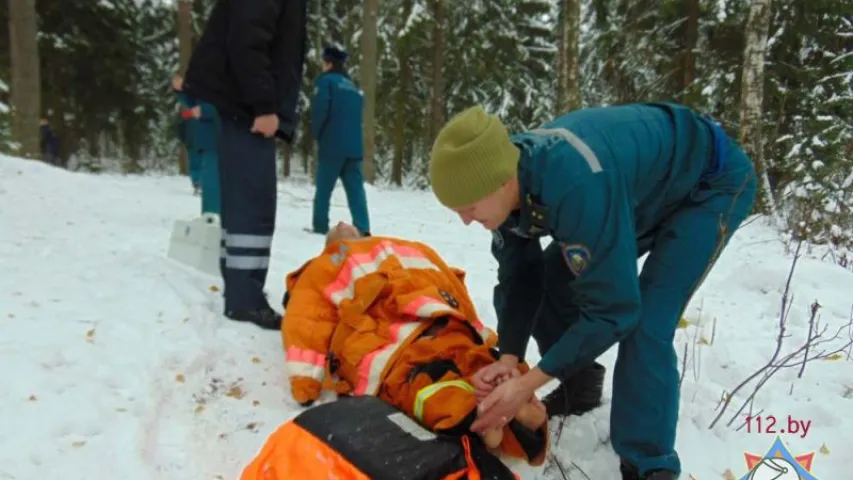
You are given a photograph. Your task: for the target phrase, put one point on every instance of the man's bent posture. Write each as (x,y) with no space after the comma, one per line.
(387,317)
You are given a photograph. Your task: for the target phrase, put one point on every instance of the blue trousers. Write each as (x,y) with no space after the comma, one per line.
(329,170)
(644,412)
(194,159)
(249,190)
(211,198)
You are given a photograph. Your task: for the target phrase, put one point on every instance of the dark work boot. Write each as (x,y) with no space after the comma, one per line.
(577,395)
(629,472)
(264,317)
(660,475)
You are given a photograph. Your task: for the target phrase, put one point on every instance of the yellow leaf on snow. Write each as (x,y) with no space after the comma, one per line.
(90,336)
(214,288)
(824,450)
(728,475)
(78,444)
(256,360)
(180,378)
(834,356)
(235,392)
(683,323)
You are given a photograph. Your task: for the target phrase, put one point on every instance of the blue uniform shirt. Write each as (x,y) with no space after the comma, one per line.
(336,116)
(596,180)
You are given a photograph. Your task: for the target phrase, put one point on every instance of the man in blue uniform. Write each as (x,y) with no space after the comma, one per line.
(248,64)
(202,125)
(609,185)
(336,123)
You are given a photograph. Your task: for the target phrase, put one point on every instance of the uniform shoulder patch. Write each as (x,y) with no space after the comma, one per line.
(577,257)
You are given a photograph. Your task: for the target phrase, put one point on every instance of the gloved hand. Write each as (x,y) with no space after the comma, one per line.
(188,113)
(305,390)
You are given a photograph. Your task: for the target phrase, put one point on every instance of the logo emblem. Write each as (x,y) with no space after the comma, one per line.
(448,298)
(577,258)
(779,464)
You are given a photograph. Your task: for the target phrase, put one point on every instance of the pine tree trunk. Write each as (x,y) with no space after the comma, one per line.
(368,83)
(568,88)
(752,97)
(437,114)
(185,47)
(287,154)
(402,45)
(26,77)
(692,11)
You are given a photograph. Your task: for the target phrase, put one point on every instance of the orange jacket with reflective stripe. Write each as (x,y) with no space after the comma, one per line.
(353,308)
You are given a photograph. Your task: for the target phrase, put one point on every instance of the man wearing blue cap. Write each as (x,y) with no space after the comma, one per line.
(336,123)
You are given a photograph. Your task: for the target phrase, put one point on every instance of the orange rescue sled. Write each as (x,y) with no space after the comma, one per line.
(364,438)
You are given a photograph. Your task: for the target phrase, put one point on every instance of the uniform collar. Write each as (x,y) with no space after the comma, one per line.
(531,220)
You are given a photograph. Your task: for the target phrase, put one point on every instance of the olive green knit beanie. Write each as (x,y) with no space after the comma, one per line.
(471,158)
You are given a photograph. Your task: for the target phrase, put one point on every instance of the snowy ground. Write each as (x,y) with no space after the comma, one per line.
(117,363)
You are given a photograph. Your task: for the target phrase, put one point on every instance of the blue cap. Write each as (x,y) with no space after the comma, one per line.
(334,54)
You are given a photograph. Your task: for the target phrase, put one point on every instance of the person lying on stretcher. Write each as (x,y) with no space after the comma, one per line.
(388,317)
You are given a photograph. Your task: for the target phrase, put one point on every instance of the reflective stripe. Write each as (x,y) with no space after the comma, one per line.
(427,307)
(430,390)
(304,362)
(242,240)
(246,262)
(373,364)
(359,265)
(575,141)
(485,332)
(316,372)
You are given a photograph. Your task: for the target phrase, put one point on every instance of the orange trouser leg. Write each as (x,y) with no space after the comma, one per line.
(292,452)
(430,381)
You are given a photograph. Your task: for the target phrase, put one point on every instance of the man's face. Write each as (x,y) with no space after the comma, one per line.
(489,212)
(342,231)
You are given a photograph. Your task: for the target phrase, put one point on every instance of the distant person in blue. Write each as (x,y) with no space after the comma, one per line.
(336,124)
(608,185)
(49,144)
(201,124)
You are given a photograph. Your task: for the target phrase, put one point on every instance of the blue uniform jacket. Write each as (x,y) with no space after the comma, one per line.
(201,133)
(336,116)
(597,180)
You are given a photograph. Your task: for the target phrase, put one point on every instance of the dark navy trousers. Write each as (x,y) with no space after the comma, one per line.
(248,190)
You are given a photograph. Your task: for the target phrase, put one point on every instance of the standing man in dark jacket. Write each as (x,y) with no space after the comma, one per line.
(336,123)
(248,64)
